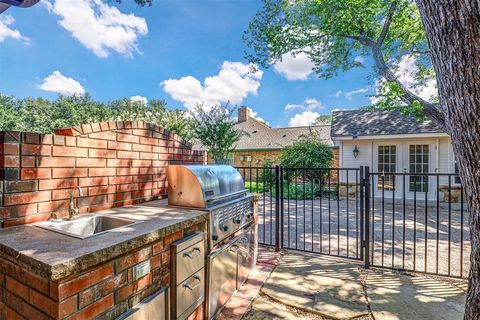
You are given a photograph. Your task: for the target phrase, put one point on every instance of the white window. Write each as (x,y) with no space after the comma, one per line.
(249,158)
(387,163)
(419,158)
(241,158)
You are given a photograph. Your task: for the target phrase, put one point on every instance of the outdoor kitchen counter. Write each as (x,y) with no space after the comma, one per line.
(56,256)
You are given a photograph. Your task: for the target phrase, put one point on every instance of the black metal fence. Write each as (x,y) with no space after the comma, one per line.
(419,222)
(406,221)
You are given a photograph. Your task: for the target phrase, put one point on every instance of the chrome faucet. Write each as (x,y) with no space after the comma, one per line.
(73,210)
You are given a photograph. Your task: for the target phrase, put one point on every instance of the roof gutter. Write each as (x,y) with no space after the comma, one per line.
(392,136)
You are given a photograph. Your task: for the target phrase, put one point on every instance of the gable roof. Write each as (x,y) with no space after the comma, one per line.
(355,123)
(258,136)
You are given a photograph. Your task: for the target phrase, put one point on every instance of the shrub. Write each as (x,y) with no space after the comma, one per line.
(267,174)
(308,152)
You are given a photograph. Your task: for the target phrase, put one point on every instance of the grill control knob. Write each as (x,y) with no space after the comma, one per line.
(225,228)
(214,237)
(249,215)
(237,220)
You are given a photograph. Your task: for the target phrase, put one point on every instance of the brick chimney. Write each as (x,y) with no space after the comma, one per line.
(243,114)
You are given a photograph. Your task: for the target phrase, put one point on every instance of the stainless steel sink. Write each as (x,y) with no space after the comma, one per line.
(87,226)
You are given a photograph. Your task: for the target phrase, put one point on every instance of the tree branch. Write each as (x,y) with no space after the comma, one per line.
(387,22)
(430,110)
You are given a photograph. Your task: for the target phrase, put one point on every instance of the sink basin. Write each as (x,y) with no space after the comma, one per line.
(87,226)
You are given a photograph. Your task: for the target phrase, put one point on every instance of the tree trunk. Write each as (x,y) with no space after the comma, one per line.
(453,32)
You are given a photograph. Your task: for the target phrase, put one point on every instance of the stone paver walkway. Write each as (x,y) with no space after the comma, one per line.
(309,286)
(322,286)
(393,296)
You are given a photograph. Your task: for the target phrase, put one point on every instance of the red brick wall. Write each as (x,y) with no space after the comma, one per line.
(116,164)
(103,292)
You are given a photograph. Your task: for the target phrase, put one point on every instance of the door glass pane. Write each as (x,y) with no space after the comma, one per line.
(419,163)
(387,160)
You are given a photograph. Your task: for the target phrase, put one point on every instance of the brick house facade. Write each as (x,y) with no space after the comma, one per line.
(261,144)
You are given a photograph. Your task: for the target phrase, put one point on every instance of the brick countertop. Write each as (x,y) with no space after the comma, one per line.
(56,256)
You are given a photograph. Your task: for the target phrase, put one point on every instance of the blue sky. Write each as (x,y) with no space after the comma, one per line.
(179,51)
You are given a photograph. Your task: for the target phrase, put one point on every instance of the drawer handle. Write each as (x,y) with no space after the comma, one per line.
(191,255)
(190,287)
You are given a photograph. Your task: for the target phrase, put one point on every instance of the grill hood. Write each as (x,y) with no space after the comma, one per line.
(199,186)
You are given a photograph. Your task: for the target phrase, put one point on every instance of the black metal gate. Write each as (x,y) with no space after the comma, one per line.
(308,209)
(404,221)
(418,222)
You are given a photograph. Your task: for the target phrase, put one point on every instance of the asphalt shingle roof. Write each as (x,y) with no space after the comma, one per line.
(348,123)
(258,135)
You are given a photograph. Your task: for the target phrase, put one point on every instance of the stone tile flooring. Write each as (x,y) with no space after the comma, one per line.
(311,286)
(300,286)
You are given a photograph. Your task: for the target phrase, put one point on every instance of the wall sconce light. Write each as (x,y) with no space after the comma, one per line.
(355,152)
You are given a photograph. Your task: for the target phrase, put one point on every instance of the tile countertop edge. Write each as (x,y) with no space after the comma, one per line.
(78,265)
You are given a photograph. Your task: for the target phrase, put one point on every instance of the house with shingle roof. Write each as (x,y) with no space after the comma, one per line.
(260,143)
(389,141)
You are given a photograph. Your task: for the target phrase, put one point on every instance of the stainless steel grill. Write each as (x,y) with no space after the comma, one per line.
(217,188)
(221,190)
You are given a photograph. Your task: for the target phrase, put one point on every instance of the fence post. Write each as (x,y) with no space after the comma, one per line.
(277,208)
(361,185)
(367,217)
(281,208)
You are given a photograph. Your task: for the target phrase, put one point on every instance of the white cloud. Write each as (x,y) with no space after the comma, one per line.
(98,26)
(349,94)
(232,84)
(138,98)
(58,83)
(309,104)
(359,59)
(405,71)
(254,115)
(6,32)
(295,67)
(306,118)
(293,106)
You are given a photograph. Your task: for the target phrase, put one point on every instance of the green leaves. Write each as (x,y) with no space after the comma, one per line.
(44,116)
(308,152)
(215,129)
(334,32)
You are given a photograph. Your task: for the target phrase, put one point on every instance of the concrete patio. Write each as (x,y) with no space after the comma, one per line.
(310,286)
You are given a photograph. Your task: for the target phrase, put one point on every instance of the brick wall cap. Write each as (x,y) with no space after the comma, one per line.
(81,130)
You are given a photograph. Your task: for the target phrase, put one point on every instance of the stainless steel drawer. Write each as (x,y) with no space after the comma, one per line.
(190,294)
(190,258)
(155,307)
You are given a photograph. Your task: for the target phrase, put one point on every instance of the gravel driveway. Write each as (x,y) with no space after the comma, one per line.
(333,227)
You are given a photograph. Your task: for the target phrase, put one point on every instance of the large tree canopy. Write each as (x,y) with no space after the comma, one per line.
(44,116)
(333,33)
(443,34)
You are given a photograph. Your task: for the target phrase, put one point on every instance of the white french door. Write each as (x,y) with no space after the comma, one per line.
(386,159)
(420,159)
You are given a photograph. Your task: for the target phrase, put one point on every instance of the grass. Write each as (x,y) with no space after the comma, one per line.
(256,187)
(292,191)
